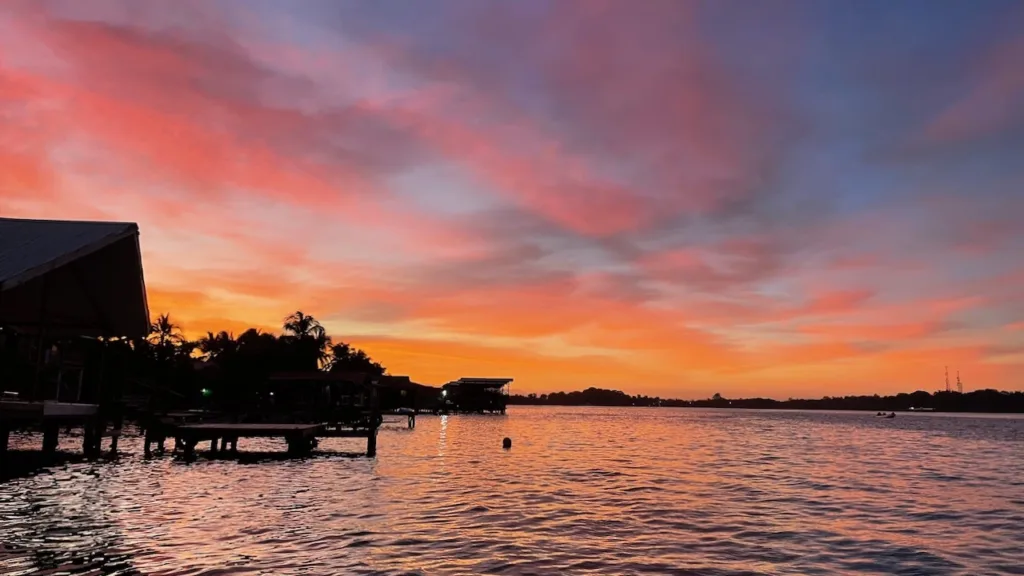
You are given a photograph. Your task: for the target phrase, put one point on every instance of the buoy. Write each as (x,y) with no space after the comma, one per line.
(506,443)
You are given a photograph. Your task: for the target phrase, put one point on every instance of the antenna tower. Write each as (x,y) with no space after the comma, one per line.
(947,378)
(959,384)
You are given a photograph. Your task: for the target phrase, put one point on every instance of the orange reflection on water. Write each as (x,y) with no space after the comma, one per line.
(612,490)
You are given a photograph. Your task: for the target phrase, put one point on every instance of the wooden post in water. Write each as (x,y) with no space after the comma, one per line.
(115,434)
(94,437)
(88,434)
(51,435)
(371,444)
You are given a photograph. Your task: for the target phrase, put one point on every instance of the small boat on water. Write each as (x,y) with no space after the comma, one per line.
(884,415)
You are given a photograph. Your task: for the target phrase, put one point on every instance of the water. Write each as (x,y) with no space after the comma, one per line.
(583,490)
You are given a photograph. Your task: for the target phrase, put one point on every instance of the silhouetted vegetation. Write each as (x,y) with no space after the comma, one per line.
(168,369)
(976,401)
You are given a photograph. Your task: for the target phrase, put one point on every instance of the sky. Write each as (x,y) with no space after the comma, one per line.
(668,197)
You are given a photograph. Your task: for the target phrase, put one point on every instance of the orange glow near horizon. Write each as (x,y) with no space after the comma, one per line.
(654,214)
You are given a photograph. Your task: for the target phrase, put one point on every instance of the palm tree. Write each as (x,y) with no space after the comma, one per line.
(214,345)
(163,332)
(309,338)
(302,325)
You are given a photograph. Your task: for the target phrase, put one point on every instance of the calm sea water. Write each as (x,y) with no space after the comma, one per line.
(583,490)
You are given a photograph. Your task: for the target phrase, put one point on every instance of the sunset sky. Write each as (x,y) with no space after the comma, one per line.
(666,197)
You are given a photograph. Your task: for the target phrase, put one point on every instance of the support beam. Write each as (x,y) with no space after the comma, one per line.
(371,444)
(41,339)
(51,437)
(88,433)
(92,438)
(115,435)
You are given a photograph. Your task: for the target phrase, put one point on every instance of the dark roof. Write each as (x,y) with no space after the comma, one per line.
(402,383)
(72,277)
(480,382)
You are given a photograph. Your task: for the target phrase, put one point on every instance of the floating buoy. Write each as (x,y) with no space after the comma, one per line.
(506,443)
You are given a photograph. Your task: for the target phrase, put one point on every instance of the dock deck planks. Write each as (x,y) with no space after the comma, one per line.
(250,430)
(301,438)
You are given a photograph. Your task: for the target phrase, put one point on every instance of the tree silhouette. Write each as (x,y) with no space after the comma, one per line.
(163,332)
(214,345)
(310,344)
(302,325)
(344,358)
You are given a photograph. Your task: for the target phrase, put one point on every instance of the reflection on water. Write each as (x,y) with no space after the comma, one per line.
(584,490)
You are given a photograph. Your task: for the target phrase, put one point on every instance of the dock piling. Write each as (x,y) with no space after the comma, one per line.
(51,436)
(371,444)
(88,432)
(115,434)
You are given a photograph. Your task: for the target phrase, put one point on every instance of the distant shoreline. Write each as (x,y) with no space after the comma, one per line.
(978,401)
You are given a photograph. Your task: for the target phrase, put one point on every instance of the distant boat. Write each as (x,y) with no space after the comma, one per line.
(915,409)
(884,415)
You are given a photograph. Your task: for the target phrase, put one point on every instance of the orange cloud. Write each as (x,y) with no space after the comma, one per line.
(438,361)
(874,332)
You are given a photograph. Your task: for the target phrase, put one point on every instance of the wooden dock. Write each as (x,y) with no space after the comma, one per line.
(51,416)
(301,438)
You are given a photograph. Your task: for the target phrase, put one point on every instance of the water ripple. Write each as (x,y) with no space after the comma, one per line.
(584,491)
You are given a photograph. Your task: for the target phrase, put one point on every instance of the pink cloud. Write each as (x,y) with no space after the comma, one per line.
(994,101)
(694,142)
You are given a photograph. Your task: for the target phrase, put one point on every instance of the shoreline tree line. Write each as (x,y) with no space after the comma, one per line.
(224,365)
(173,370)
(975,401)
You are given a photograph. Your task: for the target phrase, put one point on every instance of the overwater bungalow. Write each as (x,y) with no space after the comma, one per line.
(63,286)
(398,392)
(477,395)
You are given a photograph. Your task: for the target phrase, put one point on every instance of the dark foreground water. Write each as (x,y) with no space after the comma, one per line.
(583,490)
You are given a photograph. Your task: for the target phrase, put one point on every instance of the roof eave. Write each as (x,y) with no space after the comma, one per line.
(63,259)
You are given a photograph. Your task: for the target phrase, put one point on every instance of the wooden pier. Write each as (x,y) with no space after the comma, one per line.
(50,417)
(223,437)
